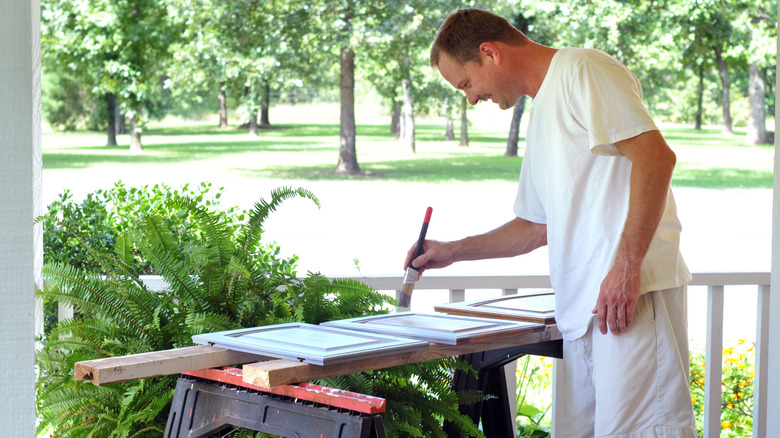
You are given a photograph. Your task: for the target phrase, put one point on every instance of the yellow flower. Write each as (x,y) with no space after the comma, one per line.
(730,405)
(742,366)
(725,425)
(693,400)
(740,395)
(741,341)
(743,384)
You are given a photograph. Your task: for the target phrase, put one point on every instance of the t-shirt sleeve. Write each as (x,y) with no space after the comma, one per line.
(607,101)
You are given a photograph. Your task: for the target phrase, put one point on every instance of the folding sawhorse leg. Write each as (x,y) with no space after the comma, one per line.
(497,421)
(210,409)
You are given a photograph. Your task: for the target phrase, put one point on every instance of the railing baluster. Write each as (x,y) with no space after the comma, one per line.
(457,295)
(760,377)
(713,368)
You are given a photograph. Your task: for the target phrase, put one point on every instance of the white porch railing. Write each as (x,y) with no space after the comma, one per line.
(716,284)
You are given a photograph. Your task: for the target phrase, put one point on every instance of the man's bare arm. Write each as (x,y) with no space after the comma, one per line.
(652,164)
(516,237)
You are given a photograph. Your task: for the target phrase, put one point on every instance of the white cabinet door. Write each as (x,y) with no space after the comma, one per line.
(315,344)
(436,328)
(538,307)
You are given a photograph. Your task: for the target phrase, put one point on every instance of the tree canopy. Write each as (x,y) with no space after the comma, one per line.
(700,62)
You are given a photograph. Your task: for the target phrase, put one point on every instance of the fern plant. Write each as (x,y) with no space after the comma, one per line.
(227,279)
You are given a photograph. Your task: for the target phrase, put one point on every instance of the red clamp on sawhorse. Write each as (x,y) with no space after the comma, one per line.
(215,402)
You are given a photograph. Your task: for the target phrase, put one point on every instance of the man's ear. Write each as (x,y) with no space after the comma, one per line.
(490,51)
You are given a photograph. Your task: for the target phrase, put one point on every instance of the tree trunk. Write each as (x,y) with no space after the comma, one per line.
(449,124)
(265,104)
(253,123)
(756,129)
(395,121)
(120,121)
(135,135)
(407,116)
(726,89)
(514,128)
(347,149)
(700,99)
(112,107)
(464,122)
(222,99)
(449,129)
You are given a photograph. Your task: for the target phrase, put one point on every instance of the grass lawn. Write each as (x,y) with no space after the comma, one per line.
(309,152)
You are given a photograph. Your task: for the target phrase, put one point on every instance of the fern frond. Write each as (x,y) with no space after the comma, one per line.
(209,322)
(217,234)
(174,271)
(156,233)
(251,231)
(355,299)
(124,248)
(89,293)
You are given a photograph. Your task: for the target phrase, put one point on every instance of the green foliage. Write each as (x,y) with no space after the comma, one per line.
(223,279)
(103,217)
(534,397)
(736,409)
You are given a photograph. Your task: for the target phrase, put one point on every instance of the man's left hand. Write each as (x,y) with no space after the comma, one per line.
(617,299)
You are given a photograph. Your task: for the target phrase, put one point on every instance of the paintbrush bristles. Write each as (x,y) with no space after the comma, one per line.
(405,299)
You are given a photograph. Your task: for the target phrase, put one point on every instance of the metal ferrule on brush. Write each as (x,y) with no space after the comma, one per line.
(411,276)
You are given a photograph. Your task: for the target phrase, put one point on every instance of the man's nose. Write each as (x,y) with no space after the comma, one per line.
(473,98)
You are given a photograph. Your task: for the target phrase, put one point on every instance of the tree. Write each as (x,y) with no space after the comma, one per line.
(642,34)
(514,128)
(123,47)
(348,163)
(464,121)
(760,52)
(397,57)
(336,30)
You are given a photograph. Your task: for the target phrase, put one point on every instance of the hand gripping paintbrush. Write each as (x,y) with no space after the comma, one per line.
(410,278)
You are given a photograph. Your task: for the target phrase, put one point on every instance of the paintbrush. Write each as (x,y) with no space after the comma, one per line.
(410,278)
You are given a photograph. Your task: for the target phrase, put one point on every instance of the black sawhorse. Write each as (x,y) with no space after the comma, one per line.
(495,413)
(207,408)
(210,409)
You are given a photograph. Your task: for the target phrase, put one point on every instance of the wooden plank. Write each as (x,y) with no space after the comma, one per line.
(159,363)
(285,372)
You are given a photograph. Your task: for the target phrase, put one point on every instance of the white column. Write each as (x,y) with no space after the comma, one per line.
(20,201)
(773,382)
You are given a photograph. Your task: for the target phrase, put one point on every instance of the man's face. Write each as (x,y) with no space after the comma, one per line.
(479,81)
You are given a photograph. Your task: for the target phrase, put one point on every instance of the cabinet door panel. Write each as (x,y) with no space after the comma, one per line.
(436,328)
(315,344)
(538,308)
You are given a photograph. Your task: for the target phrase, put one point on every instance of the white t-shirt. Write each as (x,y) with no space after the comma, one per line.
(576,181)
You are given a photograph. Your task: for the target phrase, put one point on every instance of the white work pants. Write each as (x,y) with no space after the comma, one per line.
(632,385)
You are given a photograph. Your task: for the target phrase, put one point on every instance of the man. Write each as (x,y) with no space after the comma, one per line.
(595,188)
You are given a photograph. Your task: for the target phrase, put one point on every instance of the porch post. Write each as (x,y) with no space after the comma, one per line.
(21,250)
(773,381)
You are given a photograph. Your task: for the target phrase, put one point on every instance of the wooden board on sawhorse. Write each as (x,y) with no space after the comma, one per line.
(214,403)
